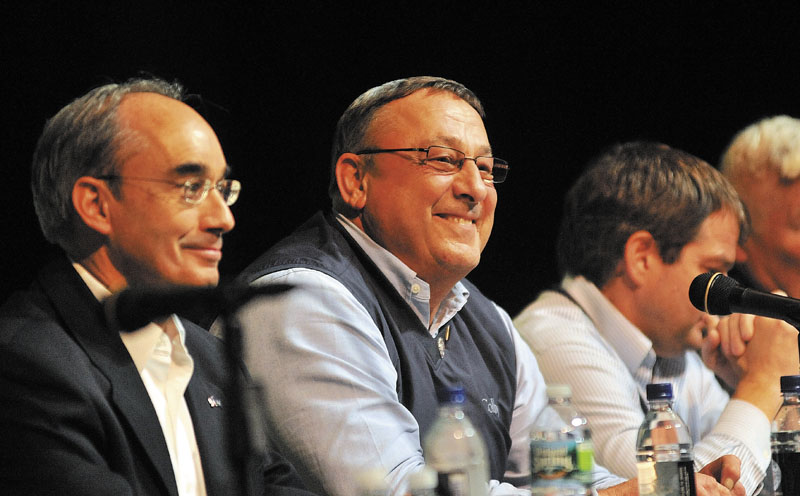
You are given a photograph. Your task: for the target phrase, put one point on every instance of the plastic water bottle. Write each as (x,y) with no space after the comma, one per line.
(553,461)
(560,399)
(372,482)
(786,440)
(664,448)
(456,451)
(423,482)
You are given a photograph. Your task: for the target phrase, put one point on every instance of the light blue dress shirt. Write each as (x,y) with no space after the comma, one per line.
(330,386)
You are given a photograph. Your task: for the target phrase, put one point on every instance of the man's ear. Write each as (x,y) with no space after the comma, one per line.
(90,200)
(351,179)
(640,257)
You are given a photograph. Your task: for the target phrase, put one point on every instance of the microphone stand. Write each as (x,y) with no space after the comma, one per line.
(246,431)
(246,422)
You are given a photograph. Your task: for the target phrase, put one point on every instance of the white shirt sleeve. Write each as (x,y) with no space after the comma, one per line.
(532,411)
(726,426)
(603,389)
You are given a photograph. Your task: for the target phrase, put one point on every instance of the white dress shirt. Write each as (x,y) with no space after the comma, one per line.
(608,362)
(330,384)
(164,364)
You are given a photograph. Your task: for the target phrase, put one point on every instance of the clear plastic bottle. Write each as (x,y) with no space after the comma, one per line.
(552,462)
(560,399)
(664,448)
(786,440)
(423,482)
(456,451)
(372,482)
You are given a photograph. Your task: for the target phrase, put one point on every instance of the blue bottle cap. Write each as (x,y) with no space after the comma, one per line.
(661,391)
(453,394)
(790,384)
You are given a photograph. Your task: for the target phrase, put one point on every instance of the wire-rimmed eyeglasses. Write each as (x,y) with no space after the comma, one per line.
(446,160)
(195,189)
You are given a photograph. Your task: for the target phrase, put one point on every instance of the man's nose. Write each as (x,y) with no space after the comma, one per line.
(217,214)
(469,182)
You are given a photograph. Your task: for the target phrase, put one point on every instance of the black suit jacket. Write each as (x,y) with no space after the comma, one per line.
(75,417)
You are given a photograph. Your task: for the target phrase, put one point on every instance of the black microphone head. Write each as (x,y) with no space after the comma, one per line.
(710,292)
(133,308)
(697,290)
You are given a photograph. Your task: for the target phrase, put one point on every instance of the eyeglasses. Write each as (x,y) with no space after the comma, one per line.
(445,160)
(195,189)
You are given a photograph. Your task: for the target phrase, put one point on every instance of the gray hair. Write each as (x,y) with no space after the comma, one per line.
(772,143)
(354,125)
(82,139)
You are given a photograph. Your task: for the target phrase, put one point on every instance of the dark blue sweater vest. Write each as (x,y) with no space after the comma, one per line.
(479,354)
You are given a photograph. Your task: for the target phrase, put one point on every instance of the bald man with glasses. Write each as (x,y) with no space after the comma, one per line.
(131,184)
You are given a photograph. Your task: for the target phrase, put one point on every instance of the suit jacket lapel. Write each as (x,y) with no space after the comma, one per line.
(83,317)
(205,398)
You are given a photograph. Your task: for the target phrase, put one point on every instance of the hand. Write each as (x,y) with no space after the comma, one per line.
(724,470)
(708,486)
(771,353)
(725,342)
(742,344)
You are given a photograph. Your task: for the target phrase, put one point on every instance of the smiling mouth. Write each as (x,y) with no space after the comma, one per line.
(210,252)
(456,219)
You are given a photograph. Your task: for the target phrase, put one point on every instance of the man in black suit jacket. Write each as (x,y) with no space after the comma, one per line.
(131,183)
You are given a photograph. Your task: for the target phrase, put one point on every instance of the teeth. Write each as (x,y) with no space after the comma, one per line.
(460,220)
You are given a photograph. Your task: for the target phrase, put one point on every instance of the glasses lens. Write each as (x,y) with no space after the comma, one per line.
(500,170)
(444,159)
(486,168)
(194,190)
(229,189)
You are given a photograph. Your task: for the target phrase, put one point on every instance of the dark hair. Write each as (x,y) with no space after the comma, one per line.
(82,139)
(639,186)
(353,127)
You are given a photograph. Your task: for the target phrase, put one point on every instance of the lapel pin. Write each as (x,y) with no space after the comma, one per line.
(214,402)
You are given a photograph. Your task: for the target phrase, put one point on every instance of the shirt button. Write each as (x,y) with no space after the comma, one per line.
(415,288)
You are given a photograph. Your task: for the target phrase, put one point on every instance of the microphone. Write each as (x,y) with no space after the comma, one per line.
(718,294)
(134,308)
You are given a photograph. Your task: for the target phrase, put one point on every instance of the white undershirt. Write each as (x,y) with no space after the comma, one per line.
(165,367)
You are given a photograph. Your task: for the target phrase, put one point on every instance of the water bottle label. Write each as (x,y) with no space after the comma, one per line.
(785,462)
(787,473)
(686,478)
(584,453)
(673,478)
(553,459)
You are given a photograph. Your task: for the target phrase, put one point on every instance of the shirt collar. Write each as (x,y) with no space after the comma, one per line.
(414,290)
(631,345)
(141,342)
(98,289)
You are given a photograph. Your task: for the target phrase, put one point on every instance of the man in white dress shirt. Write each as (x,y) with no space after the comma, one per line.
(637,227)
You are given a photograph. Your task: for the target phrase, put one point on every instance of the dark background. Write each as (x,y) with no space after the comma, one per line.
(559,81)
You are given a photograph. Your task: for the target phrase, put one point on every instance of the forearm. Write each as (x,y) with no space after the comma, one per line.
(741,430)
(629,488)
(761,390)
